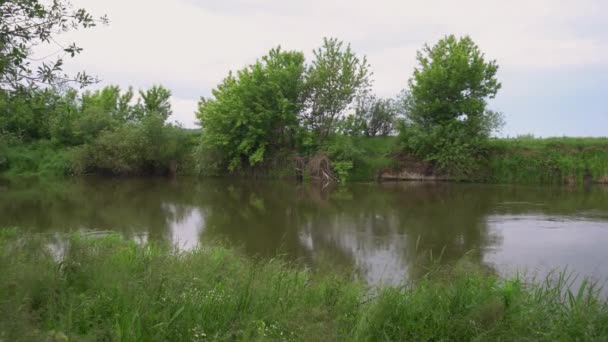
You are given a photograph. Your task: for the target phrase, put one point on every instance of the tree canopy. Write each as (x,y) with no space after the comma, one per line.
(448,120)
(26,24)
(333,81)
(452,82)
(255,111)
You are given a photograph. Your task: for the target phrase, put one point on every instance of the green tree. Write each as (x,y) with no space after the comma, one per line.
(376,115)
(448,122)
(254,113)
(155,100)
(333,81)
(29,113)
(452,83)
(25,24)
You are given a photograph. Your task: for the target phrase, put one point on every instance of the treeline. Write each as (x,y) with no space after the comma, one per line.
(104,131)
(282,108)
(280,116)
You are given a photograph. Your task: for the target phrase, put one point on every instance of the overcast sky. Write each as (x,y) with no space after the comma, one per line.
(553,54)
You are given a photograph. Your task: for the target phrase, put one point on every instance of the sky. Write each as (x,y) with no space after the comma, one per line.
(553,54)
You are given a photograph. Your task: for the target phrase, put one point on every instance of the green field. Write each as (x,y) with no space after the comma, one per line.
(106,288)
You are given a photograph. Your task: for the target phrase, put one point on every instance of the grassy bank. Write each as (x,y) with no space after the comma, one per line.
(551,160)
(111,289)
(509,161)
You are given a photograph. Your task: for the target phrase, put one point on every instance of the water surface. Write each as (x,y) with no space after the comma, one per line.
(386,232)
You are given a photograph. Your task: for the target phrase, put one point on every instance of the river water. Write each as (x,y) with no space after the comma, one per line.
(386,232)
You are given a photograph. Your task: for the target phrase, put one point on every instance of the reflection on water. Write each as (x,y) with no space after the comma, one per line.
(386,232)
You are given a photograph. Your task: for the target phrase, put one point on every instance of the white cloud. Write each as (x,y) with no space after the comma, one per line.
(190,45)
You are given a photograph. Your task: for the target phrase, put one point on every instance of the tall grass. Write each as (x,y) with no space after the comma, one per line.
(111,289)
(551,160)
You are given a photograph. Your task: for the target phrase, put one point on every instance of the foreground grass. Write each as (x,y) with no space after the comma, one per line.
(111,289)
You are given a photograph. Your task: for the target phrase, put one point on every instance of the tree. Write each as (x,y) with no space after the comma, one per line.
(333,81)
(25,24)
(156,100)
(452,83)
(447,119)
(377,115)
(254,113)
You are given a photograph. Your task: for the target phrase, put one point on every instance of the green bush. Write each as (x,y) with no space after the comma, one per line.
(450,148)
(149,147)
(37,158)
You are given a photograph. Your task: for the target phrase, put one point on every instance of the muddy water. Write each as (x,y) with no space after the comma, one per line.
(386,232)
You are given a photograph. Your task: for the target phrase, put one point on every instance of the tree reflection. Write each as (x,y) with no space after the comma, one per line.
(387,232)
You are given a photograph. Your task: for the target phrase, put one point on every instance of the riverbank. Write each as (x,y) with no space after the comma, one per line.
(109,288)
(573,161)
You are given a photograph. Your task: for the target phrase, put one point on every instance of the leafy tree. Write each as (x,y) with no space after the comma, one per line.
(377,115)
(25,24)
(155,100)
(447,119)
(333,81)
(29,113)
(452,83)
(254,113)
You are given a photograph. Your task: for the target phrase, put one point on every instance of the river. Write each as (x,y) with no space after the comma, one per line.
(386,233)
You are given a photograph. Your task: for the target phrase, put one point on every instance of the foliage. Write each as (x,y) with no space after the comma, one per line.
(27,24)
(373,116)
(154,100)
(334,80)
(447,121)
(100,131)
(278,106)
(37,158)
(111,289)
(449,147)
(134,149)
(343,154)
(254,114)
(451,83)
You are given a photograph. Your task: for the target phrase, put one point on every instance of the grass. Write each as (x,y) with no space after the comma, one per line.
(376,155)
(522,160)
(107,288)
(551,160)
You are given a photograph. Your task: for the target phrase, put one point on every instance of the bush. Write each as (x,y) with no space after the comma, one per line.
(344,155)
(37,158)
(450,148)
(149,147)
